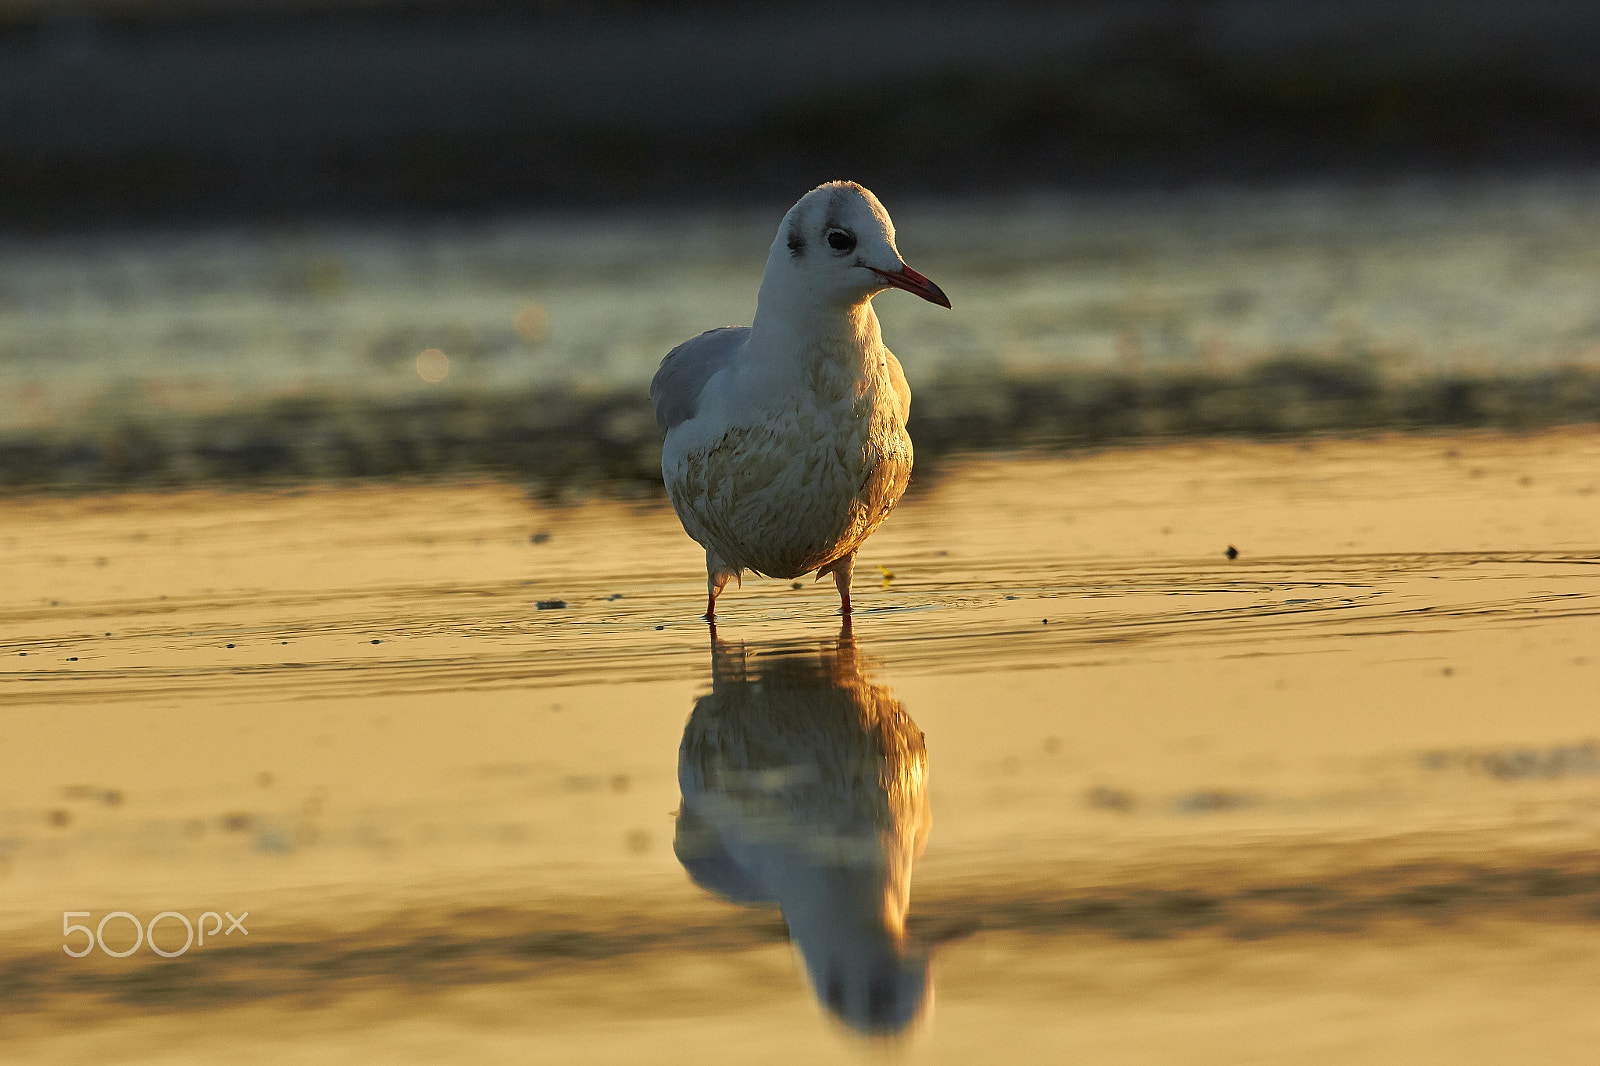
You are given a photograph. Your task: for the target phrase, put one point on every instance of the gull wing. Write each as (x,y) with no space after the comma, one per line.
(675,391)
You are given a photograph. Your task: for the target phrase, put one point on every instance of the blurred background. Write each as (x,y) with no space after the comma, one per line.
(281,239)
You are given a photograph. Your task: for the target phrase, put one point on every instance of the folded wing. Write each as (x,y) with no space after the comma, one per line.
(676,388)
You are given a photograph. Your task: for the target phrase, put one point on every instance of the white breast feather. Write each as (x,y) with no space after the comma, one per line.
(785,492)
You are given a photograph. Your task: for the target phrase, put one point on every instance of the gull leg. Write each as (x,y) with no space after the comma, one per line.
(842,569)
(715,581)
(718,574)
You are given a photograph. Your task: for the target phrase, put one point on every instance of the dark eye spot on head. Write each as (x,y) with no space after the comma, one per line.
(841,240)
(797,243)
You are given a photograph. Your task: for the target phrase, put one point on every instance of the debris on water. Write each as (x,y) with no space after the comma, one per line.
(272,840)
(59,818)
(1013,597)
(1044,621)
(1110,799)
(1448,671)
(230,645)
(1232,552)
(551,605)
(1564,761)
(376,642)
(538,538)
(660,627)
(888,575)
(72,658)
(796,585)
(1209,800)
(616,596)
(1581,759)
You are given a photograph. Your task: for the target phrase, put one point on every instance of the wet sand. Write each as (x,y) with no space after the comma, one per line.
(1336,800)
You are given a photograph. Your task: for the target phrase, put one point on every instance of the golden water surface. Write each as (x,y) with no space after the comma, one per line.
(1336,800)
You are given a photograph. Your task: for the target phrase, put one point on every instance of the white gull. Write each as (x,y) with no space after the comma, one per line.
(786,439)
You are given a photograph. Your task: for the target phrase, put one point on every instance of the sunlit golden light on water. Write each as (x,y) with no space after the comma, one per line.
(1334,800)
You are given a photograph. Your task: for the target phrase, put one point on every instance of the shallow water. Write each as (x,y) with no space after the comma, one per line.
(1422,277)
(1335,800)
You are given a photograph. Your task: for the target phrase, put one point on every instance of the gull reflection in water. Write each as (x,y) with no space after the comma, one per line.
(804,785)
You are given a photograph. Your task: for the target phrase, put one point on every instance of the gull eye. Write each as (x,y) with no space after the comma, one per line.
(841,240)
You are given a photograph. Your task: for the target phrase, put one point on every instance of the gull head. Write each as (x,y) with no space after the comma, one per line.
(836,247)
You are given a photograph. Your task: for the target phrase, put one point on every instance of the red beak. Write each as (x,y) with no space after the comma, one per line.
(909,280)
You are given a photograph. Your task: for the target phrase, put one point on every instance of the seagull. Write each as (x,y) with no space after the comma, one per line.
(786,440)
